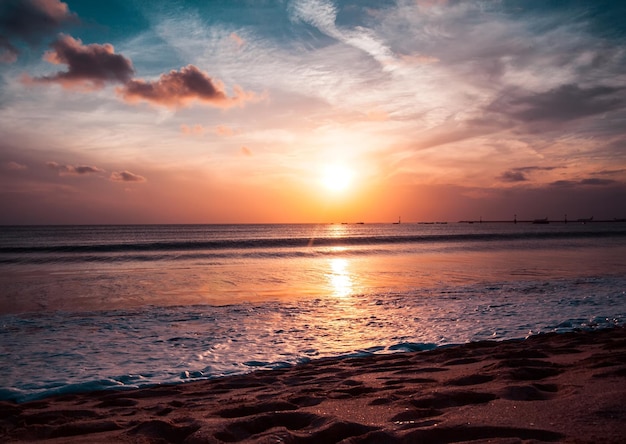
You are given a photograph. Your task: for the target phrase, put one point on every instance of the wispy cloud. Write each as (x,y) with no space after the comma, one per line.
(126,176)
(237,39)
(15,166)
(73,170)
(323,15)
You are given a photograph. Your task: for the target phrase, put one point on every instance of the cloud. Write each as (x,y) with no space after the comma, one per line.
(564,103)
(88,66)
(29,21)
(195,130)
(611,172)
(91,66)
(322,14)
(520,174)
(8,52)
(237,39)
(179,88)
(224,131)
(73,170)
(15,166)
(246,151)
(513,176)
(590,181)
(595,181)
(126,176)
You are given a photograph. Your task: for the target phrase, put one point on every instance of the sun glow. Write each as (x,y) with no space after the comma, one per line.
(336,178)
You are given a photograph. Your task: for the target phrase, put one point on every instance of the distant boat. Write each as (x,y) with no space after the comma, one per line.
(584,221)
(541,221)
(399,221)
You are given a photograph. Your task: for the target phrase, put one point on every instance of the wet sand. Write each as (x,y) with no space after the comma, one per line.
(548,388)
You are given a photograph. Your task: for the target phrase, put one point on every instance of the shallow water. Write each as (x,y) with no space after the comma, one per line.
(97,307)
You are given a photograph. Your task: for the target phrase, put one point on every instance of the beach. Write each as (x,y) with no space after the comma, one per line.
(567,387)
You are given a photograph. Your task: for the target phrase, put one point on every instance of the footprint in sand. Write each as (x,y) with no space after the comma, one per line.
(293,427)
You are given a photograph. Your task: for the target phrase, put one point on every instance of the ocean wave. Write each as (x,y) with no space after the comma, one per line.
(301,243)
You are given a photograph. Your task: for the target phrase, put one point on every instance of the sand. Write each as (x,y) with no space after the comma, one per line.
(548,388)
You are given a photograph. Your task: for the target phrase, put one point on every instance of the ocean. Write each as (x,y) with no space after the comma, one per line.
(116,307)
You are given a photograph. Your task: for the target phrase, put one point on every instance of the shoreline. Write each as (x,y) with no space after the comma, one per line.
(552,387)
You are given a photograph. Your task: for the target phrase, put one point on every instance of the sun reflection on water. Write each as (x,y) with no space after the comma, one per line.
(340,278)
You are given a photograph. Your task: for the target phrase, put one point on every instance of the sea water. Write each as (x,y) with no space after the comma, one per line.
(92,307)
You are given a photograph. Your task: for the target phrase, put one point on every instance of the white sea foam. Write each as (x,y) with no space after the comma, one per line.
(61,352)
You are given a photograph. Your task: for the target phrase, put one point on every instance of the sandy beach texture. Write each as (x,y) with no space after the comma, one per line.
(549,388)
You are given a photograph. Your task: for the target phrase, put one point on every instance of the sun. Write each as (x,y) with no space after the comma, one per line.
(336,178)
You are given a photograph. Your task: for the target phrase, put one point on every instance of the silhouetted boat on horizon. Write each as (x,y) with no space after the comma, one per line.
(541,221)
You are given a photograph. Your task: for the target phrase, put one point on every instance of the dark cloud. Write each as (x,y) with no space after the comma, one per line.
(91,66)
(611,172)
(29,21)
(88,66)
(513,176)
(73,170)
(8,52)
(520,174)
(589,181)
(177,88)
(565,103)
(126,176)
(535,168)
(595,181)
(563,183)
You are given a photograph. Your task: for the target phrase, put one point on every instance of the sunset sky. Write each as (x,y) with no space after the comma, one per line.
(233,111)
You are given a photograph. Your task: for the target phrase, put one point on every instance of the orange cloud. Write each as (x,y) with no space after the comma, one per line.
(238,40)
(246,151)
(179,88)
(223,130)
(126,176)
(195,130)
(88,66)
(419,59)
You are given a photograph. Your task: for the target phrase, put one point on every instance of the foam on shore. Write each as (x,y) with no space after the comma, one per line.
(566,387)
